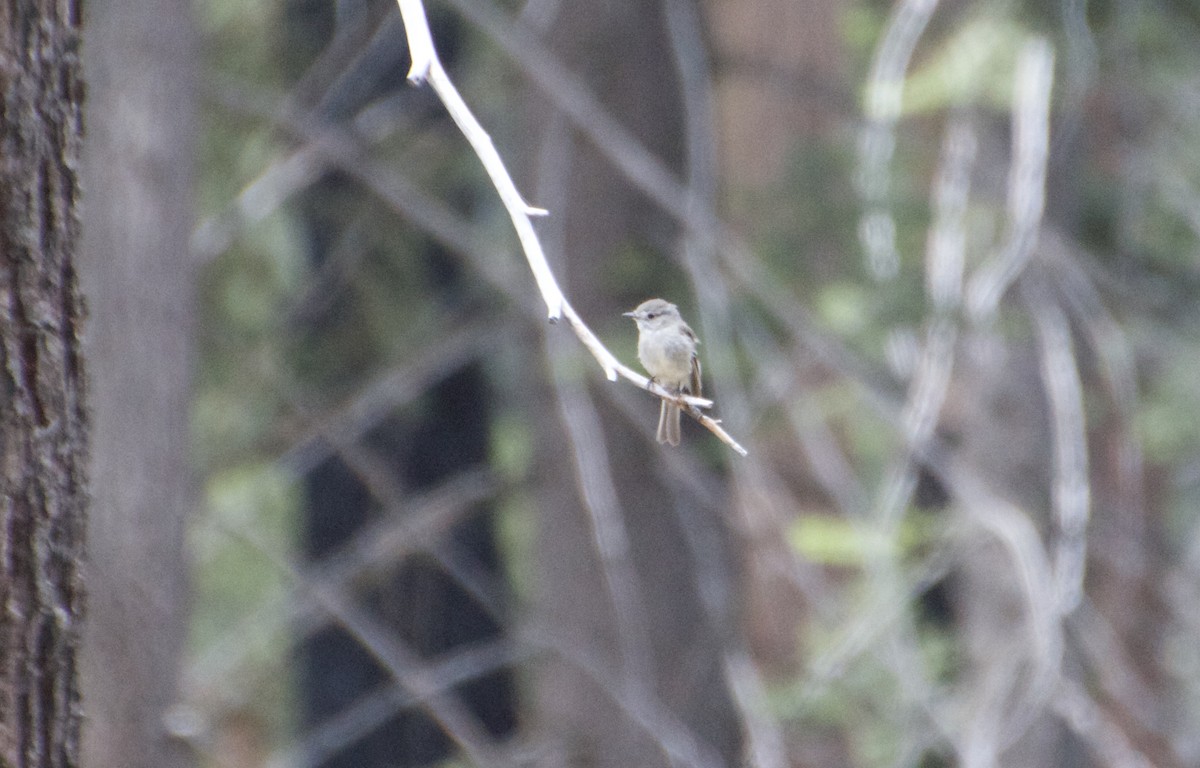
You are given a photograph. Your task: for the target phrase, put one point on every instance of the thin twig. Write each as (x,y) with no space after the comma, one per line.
(427,67)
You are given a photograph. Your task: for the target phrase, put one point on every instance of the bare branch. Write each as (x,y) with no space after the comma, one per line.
(1026,181)
(374,709)
(1092,724)
(639,703)
(877,229)
(427,67)
(337,147)
(1072,490)
(418,679)
(409,524)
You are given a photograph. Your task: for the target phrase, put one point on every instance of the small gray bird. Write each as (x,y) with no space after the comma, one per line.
(667,350)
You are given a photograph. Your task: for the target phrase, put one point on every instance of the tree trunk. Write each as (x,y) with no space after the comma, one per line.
(632,626)
(141,61)
(43,424)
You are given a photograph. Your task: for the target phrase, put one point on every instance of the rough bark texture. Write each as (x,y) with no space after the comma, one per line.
(43,425)
(137,172)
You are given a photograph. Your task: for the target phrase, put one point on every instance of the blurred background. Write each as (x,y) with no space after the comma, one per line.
(358,505)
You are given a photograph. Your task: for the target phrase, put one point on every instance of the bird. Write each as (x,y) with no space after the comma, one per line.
(667,350)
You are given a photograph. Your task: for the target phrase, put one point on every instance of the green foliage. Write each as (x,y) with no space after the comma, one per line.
(975,64)
(841,542)
(846,308)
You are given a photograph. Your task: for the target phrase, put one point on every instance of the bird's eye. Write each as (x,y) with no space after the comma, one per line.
(651,315)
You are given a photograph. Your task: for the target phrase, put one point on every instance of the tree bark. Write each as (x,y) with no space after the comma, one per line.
(43,421)
(141,60)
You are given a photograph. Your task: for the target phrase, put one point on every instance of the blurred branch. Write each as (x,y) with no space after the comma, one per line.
(322,742)
(778,383)
(1113,349)
(877,142)
(944,259)
(1093,726)
(1115,674)
(395,387)
(1071,494)
(213,235)
(765,741)
(418,679)
(681,746)
(1026,181)
(945,253)
(1013,529)
(408,524)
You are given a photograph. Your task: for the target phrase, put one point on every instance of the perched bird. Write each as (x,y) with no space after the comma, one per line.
(667,350)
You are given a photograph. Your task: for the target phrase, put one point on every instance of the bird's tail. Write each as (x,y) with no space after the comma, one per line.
(668,424)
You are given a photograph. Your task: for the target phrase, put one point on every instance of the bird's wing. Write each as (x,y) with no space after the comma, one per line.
(695,382)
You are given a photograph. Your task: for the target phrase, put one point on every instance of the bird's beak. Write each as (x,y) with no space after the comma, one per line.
(629,314)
